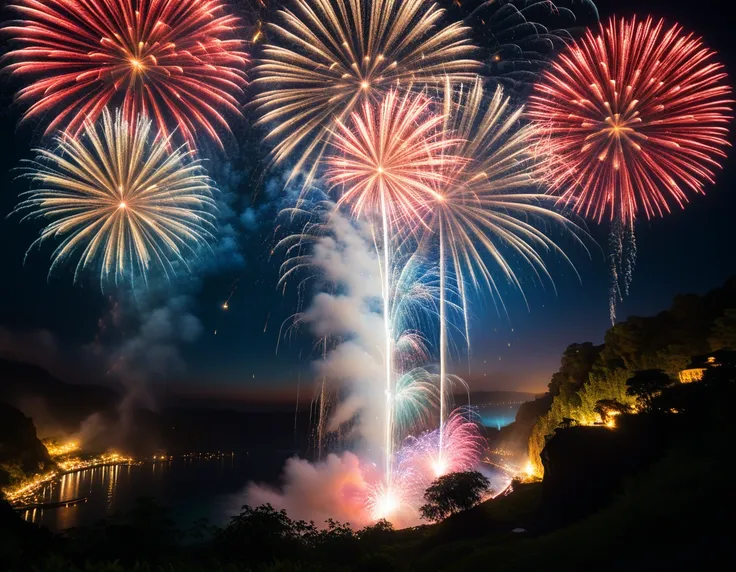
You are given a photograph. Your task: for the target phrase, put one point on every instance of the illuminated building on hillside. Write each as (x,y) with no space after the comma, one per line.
(700,364)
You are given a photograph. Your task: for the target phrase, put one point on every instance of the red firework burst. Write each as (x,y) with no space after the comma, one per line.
(392,158)
(631,118)
(169,59)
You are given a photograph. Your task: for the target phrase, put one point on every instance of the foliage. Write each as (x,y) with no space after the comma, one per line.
(723,334)
(646,385)
(694,325)
(453,493)
(610,408)
(576,364)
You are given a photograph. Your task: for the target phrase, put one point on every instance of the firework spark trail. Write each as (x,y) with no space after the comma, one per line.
(160,58)
(413,303)
(489,207)
(387,163)
(336,55)
(121,200)
(460,443)
(632,117)
(615,258)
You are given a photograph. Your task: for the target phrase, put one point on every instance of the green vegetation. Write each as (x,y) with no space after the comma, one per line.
(453,493)
(664,500)
(666,514)
(589,375)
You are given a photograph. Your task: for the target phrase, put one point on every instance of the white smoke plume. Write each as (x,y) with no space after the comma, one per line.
(351,310)
(348,307)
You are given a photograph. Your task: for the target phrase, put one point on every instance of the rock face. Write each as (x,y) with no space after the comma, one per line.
(585,466)
(515,437)
(21,453)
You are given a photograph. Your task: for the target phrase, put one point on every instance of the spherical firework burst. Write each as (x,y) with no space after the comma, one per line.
(336,55)
(388,161)
(168,59)
(631,119)
(121,201)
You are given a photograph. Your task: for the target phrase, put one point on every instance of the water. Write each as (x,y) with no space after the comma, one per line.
(191,489)
(497,415)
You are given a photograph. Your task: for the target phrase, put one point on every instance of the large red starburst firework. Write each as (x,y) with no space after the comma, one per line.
(631,117)
(173,60)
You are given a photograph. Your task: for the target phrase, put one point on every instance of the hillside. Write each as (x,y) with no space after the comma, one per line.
(661,506)
(54,404)
(694,325)
(102,418)
(21,453)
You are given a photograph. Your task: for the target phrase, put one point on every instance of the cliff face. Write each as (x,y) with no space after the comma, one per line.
(515,437)
(585,466)
(21,453)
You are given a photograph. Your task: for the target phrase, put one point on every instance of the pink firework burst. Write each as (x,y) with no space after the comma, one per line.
(173,60)
(631,117)
(460,448)
(391,158)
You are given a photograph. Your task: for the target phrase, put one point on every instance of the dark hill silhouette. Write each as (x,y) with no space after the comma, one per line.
(52,403)
(21,453)
(104,418)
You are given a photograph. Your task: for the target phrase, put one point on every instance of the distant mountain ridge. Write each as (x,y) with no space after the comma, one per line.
(41,395)
(103,418)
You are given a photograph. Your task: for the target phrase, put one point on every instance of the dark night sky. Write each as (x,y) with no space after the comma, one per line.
(689,251)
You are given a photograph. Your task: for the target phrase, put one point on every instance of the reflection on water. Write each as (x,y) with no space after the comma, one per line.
(191,488)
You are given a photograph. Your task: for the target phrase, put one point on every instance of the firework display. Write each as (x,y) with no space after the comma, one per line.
(387,165)
(430,171)
(335,55)
(387,162)
(177,61)
(117,199)
(490,207)
(632,118)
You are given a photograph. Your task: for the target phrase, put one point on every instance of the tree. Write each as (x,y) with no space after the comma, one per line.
(610,408)
(648,384)
(453,493)
(575,367)
(723,334)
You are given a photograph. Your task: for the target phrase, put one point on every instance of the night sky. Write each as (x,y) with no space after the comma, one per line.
(77,330)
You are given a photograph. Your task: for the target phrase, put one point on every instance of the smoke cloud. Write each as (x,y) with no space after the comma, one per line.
(348,263)
(347,307)
(334,488)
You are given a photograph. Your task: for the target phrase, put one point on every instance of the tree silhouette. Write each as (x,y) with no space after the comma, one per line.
(646,385)
(610,408)
(453,493)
